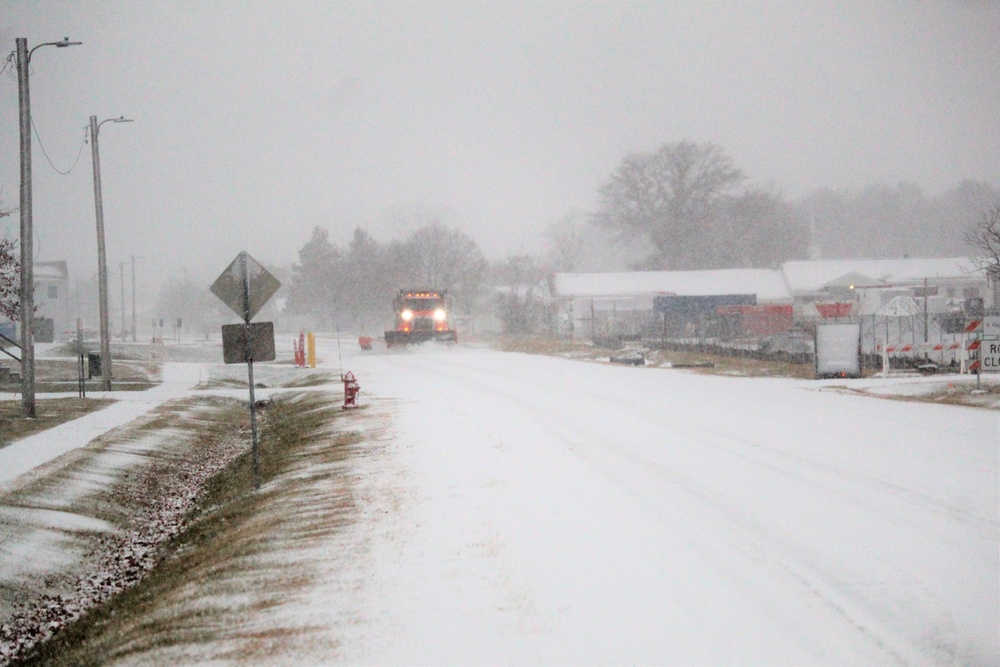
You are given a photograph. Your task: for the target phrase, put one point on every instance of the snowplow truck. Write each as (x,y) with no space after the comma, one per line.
(421,316)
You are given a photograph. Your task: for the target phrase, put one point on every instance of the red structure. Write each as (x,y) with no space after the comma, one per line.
(300,351)
(835,309)
(760,321)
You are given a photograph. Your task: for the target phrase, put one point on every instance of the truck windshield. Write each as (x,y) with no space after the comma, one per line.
(423,304)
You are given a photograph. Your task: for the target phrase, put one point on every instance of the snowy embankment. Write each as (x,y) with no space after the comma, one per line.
(87,505)
(94,527)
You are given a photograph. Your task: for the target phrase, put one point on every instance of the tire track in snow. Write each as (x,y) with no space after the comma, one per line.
(758,542)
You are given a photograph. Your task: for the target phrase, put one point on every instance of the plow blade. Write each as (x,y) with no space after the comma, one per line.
(399,338)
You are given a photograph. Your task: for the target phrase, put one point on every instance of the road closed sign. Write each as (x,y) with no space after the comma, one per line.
(989,353)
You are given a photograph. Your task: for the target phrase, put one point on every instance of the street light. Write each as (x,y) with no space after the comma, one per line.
(102,263)
(27,294)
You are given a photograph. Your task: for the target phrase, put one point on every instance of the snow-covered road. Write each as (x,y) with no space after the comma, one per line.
(547,511)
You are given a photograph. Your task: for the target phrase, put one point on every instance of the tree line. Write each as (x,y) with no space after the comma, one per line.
(682,206)
(352,288)
(687,207)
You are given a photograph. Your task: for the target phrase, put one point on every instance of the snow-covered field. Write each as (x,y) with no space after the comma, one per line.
(535,510)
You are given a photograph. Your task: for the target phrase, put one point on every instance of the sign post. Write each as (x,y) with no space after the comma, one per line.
(81,383)
(245,286)
(989,347)
(975,328)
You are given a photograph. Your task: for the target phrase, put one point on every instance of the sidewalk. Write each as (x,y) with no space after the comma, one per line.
(33,451)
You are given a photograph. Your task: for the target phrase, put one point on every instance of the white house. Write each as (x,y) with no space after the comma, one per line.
(51,302)
(52,294)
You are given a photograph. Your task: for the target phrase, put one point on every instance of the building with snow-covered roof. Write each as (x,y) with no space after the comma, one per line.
(959,274)
(767,284)
(756,302)
(871,283)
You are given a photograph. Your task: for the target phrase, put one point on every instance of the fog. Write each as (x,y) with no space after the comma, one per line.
(256,122)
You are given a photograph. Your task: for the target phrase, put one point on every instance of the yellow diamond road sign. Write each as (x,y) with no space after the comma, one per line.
(245,286)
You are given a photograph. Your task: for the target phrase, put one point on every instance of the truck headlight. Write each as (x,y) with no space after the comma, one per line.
(407,315)
(440,315)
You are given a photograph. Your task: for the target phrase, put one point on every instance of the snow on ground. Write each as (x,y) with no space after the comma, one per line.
(535,510)
(550,511)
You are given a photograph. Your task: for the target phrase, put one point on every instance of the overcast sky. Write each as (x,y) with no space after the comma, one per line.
(257,121)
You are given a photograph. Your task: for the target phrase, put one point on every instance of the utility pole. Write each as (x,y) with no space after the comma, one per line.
(27,272)
(102,262)
(27,293)
(121,279)
(133,298)
(926,321)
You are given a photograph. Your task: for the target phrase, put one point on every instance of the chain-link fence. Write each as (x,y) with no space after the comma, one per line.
(905,342)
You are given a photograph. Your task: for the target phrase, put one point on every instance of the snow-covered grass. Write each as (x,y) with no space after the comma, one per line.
(983,392)
(968,390)
(265,376)
(94,523)
(242,555)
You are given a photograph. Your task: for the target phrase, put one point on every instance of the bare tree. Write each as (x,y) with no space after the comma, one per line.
(768,227)
(565,241)
(442,258)
(519,305)
(985,236)
(669,197)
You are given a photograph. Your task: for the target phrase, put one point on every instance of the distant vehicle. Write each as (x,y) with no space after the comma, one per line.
(629,357)
(421,316)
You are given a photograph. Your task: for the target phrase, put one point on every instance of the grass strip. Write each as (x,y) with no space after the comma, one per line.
(220,572)
(714,364)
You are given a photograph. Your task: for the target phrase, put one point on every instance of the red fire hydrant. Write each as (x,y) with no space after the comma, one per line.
(351,389)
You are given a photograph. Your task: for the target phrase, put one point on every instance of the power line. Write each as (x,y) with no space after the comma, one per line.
(42,146)
(9,62)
